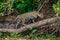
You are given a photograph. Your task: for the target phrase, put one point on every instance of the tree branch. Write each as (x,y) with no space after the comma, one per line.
(33,25)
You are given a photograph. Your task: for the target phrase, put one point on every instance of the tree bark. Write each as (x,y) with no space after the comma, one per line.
(34,25)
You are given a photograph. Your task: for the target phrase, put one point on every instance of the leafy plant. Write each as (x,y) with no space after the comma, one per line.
(26,6)
(1,34)
(3,6)
(57,7)
(46,35)
(15,35)
(22,5)
(33,31)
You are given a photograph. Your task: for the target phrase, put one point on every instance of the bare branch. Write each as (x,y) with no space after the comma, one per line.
(34,25)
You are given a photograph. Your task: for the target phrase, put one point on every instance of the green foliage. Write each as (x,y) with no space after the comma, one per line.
(1,34)
(3,6)
(46,35)
(10,9)
(22,5)
(26,6)
(34,31)
(57,7)
(31,35)
(17,35)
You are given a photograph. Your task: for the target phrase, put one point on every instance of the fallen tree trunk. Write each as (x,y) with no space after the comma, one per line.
(34,25)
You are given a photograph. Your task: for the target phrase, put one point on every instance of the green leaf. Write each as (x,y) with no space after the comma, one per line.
(37,0)
(1,34)
(33,31)
(21,6)
(12,34)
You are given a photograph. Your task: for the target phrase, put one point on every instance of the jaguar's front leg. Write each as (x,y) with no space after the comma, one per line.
(29,19)
(18,22)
